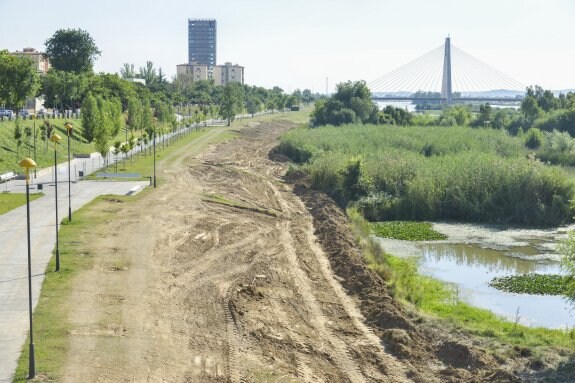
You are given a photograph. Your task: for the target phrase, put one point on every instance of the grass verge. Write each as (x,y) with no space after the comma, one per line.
(143,163)
(441,300)
(51,319)
(10,201)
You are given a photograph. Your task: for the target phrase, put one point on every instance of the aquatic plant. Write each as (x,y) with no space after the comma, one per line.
(406,230)
(540,284)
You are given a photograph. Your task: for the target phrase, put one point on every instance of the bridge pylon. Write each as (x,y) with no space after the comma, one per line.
(446,88)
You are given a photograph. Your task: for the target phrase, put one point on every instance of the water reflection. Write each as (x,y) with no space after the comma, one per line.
(492,260)
(474,254)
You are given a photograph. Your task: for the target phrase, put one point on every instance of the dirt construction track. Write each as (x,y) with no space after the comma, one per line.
(226,274)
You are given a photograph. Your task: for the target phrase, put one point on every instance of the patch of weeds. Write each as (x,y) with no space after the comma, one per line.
(540,284)
(406,230)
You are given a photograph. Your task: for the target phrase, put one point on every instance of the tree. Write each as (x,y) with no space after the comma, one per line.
(253,105)
(485,116)
(64,89)
(17,138)
(19,79)
(103,128)
(134,114)
(148,73)
(90,117)
(72,50)
(28,134)
(147,118)
(232,102)
(127,71)
(351,103)
(117,119)
(307,97)
(530,108)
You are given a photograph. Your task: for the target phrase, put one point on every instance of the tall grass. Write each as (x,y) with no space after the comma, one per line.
(424,173)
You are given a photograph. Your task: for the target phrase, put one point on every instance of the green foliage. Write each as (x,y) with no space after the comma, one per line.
(90,117)
(17,137)
(407,231)
(102,131)
(72,50)
(534,138)
(540,284)
(557,148)
(134,113)
(562,120)
(10,201)
(395,116)
(18,79)
(455,115)
(567,248)
(116,116)
(415,173)
(351,103)
(232,102)
(148,118)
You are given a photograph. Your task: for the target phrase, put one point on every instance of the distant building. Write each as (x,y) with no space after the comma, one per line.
(136,80)
(224,74)
(221,74)
(40,63)
(194,72)
(202,41)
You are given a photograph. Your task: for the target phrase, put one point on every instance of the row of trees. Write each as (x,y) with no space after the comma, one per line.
(539,109)
(72,53)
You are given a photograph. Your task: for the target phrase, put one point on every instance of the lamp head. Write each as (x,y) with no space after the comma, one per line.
(55,138)
(27,163)
(69,127)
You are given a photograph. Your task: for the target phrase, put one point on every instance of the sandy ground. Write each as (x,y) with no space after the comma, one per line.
(231,274)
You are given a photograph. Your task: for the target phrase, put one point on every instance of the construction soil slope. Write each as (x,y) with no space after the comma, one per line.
(230,273)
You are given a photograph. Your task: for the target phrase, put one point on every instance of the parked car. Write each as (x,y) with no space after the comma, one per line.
(41,112)
(23,113)
(6,113)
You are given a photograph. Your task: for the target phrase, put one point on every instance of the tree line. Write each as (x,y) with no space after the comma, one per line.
(72,53)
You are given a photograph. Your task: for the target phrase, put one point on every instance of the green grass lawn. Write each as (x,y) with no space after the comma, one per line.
(10,201)
(10,155)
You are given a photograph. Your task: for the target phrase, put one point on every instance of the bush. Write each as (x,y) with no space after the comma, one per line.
(534,138)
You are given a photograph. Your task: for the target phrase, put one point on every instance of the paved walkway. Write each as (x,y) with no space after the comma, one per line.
(13,246)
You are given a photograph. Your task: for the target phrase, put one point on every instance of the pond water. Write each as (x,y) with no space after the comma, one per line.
(474,254)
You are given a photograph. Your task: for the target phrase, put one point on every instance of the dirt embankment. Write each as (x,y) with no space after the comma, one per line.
(227,275)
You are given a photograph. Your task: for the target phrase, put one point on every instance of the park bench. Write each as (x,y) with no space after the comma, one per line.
(7,176)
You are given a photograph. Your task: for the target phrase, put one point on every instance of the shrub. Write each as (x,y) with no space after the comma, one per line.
(534,138)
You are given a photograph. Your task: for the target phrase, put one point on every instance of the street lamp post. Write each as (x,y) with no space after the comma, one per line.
(56,140)
(35,175)
(27,164)
(154,151)
(69,128)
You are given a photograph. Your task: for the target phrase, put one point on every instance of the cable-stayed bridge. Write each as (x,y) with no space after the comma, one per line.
(447,75)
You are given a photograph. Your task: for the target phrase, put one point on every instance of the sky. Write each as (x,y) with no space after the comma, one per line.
(312,43)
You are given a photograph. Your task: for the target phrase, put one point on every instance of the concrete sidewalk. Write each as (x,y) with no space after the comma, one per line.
(14,253)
